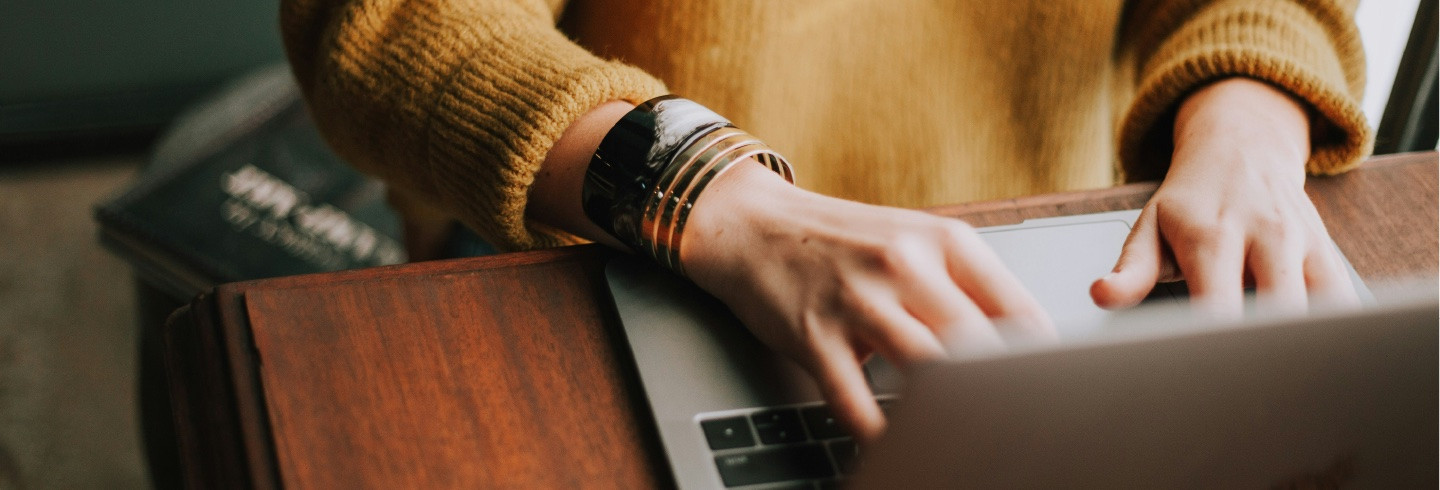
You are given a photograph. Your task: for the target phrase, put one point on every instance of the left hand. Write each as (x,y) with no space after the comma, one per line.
(1232,210)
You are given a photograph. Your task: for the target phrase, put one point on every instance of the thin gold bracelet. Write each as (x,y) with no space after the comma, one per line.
(664,221)
(702,149)
(759,151)
(665,235)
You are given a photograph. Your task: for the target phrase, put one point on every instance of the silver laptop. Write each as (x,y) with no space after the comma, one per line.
(1339,400)
(732,413)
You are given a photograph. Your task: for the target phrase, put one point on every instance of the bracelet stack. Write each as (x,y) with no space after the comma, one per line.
(651,168)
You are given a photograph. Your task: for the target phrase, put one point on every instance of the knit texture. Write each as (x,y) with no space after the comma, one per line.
(1310,49)
(456,101)
(898,103)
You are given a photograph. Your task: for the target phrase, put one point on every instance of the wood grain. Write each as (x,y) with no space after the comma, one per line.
(510,370)
(488,378)
(202,401)
(1384,216)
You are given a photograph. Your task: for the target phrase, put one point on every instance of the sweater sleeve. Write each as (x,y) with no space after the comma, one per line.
(457,101)
(1310,48)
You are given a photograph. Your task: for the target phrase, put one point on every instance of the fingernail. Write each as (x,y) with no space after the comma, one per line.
(1109,276)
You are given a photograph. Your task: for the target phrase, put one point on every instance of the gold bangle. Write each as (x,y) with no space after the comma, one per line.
(666,207)
(665,235)
(762,153)
(702,149)
(664,221)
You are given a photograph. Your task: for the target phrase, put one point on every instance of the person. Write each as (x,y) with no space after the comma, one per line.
(491,112)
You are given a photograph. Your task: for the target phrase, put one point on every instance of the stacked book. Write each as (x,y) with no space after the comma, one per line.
(243,187)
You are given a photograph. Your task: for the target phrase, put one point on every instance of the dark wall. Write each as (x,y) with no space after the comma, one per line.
(74,67)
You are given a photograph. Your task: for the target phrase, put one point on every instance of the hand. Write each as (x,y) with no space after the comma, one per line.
(1232,210)
(828,281)
(823,280)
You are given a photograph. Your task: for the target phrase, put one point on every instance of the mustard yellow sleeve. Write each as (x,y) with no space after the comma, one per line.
(457,101)
(1310,48)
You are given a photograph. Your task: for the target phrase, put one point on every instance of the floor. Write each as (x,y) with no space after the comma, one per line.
(68,415)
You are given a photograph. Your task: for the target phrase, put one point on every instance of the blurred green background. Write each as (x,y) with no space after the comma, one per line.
(76,67)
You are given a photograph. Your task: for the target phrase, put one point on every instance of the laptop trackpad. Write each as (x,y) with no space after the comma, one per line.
(1057,263)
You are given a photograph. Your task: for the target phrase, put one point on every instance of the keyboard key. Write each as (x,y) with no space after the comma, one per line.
(822,423)
(798,462)
(778,426)
(844,451)
(728,433)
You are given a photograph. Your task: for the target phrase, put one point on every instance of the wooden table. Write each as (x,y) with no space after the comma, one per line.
(510,370)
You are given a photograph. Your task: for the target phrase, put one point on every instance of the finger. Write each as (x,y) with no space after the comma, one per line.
(1278,268)
(897,335)
(842,383)
(984,280)
(1138,268)
(1213,264)
(1326,274)
(970,338)
(933,298)
(1328,278)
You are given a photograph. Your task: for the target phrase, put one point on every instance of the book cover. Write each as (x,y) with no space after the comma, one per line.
(245,188)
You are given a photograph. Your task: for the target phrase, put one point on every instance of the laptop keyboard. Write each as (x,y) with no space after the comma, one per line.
(796,447)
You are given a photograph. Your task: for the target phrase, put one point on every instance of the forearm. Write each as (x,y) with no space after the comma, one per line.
(555,195)
(466,126)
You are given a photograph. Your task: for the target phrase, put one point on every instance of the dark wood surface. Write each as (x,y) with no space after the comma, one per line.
(510,370)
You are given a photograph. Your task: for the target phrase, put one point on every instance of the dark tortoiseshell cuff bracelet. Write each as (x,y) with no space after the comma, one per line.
(650,168)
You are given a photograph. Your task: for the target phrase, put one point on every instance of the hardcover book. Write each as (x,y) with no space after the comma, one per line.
(243,187)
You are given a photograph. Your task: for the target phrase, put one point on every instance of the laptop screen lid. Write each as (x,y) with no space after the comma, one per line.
(1344,400)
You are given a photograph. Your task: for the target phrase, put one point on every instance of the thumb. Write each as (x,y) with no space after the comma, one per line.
(1138,269)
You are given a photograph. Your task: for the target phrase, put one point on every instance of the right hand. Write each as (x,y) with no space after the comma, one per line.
(829,281)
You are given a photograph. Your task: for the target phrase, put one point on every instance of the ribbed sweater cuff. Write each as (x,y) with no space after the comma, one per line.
(500,115)
(1277,42)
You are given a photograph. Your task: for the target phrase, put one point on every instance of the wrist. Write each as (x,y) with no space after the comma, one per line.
(1242,122)
(732,213)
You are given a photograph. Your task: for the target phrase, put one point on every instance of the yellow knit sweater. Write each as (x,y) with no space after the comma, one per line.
(898,102)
